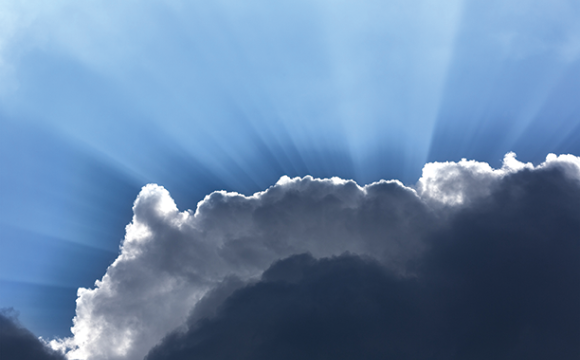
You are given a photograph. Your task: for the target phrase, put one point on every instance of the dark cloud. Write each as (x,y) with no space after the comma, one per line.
(486,260)
(506,271)
(501,280)
(338,308)
(17,343)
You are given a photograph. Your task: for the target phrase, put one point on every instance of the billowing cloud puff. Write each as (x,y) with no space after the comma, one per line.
(174,265)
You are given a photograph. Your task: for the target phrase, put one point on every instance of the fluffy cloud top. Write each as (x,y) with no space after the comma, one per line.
(460,231)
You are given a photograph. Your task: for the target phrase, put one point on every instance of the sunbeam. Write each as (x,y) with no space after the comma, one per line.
(255,104)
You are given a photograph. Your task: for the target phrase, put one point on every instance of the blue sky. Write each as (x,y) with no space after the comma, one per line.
(98,99)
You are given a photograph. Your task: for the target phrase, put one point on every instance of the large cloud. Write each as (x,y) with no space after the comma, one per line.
(350,307)
(170,260)
(17,343)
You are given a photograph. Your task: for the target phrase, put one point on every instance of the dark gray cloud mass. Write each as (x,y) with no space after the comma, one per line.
(470,263)
(500,280)
(17,343)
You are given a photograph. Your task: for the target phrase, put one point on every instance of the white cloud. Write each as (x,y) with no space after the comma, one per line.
(451,183)
(170,259)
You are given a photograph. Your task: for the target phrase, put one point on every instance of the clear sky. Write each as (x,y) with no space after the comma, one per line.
(99,98)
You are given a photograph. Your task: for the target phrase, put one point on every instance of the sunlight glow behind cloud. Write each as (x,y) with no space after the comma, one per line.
(98,98)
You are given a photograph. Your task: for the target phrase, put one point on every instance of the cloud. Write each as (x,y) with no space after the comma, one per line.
(17,343)
(170,259)
(340,308)
(466,228)
(500,281)
(352,307)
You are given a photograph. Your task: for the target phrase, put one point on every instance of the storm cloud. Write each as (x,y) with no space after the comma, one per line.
(17,343)
(472,262)
(351,307)
(502,281)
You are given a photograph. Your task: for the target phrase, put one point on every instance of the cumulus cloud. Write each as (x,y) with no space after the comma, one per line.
(17,343)
(463,230)
(451,183)
(352,307)
(339,308)
(170,259)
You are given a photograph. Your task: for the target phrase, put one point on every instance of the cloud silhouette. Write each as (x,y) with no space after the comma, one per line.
(17,343)
(500,281)
(467,247)
(339,308)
